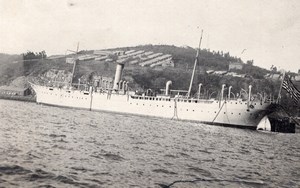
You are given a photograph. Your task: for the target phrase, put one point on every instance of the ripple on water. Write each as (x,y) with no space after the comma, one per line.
(164,171)
(44,146)
(111,156)
(13,169)
(199,171)
(57,135)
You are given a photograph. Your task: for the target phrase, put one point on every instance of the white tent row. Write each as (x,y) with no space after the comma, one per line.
(160,58)
(167,61)
(131,54)
(151,56)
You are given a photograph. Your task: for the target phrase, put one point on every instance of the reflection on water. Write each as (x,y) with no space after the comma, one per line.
(44,146)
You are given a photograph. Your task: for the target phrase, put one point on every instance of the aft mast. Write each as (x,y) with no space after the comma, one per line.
(196,60)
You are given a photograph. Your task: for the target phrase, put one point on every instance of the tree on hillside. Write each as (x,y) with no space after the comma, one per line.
(34,55)
(250,62)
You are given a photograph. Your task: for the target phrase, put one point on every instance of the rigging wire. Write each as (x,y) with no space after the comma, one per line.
(218,112)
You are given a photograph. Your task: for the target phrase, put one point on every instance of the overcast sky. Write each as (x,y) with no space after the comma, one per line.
(268,30)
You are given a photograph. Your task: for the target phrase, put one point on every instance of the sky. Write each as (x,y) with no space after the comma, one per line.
(266,31)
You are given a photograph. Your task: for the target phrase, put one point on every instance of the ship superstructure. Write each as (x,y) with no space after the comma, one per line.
(119,99)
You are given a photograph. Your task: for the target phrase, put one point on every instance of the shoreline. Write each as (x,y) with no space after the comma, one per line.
(28,98)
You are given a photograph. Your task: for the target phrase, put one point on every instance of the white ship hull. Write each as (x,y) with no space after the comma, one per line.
(232,112)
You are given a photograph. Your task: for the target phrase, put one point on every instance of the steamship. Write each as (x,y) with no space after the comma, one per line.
(224,111)
(230,112)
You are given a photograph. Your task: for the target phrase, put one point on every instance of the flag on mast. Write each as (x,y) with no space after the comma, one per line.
(288,85)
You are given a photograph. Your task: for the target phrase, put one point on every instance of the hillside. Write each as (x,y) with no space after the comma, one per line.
(147,66)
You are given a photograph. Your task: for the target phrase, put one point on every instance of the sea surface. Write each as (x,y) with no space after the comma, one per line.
(44,146)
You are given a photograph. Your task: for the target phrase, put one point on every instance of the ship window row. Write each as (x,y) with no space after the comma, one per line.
(187,109)
(245,103)
(66,96)
(181,100)
(167,99)
(150,98)
(9,93)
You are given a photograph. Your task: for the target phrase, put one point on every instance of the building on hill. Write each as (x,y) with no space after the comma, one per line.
(134,62)
(164,63)
(53,57)
(160,58)
(235,66)
(57,76)
(129,52)
(107,52)
(101,58)
(71,60)
(274,76)
(220,72)
(233,74)
(86,57)
(14,91)
(296,78)
(168,63)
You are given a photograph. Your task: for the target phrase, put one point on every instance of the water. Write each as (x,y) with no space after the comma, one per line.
(43,146)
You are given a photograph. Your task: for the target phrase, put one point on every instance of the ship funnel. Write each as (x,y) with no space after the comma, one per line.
(249,96)
(199,90)
(119,69)
(168,86)
(229,91)
(222,91)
